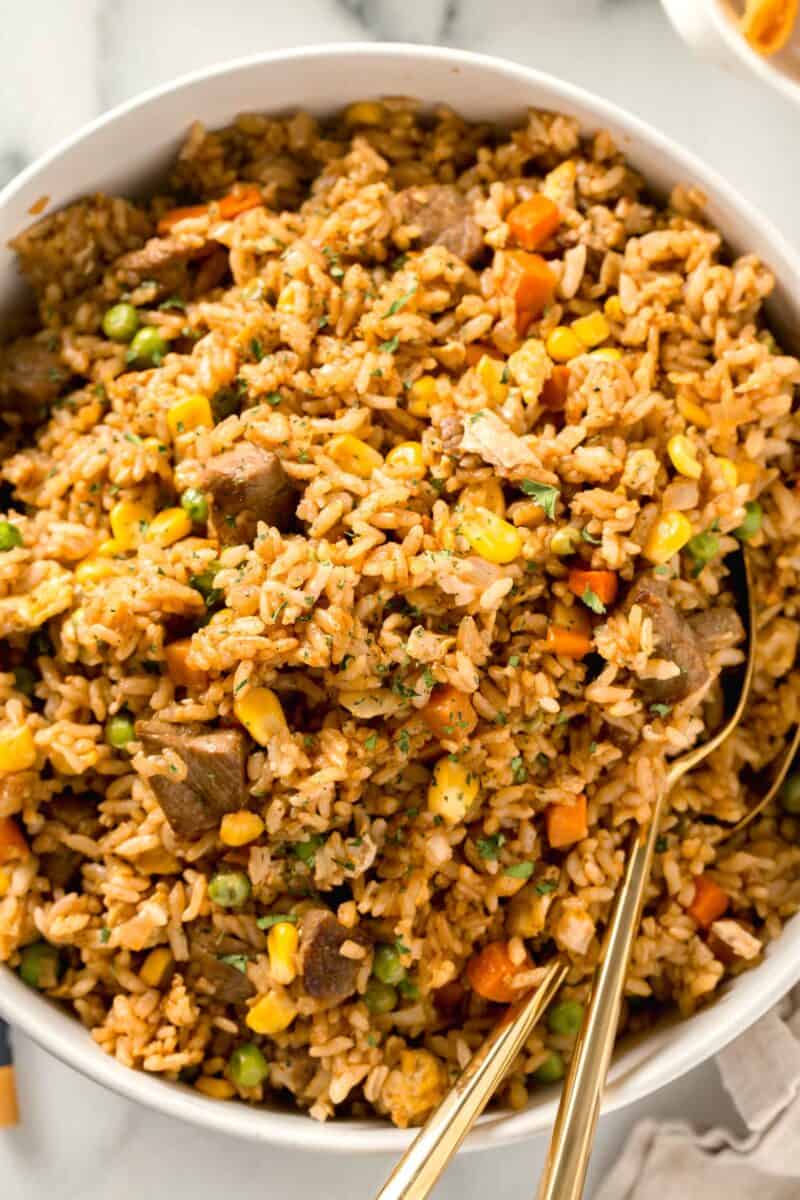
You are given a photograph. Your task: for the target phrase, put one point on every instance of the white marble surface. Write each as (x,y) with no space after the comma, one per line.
(64,61)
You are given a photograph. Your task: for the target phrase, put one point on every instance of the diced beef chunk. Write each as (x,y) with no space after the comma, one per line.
(208,949)
(161,260)
(717,628)
(215,779)
(60,866)
(444,218)
(327,974)
(31,375)
(676,641)
(248,485)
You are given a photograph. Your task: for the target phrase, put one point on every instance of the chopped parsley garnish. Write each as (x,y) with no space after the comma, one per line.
(256,349)
(371,742)
(105,934)
(235,960)
(274,398)
(390,346)
(518,769)
(589,537)
(661,844)
(401,302)
(173,302)
(522,870)
(545,886)
(593,601)
(403,741)
(661,710)
(513,660)
(408,989)
(542,494)
(488,847)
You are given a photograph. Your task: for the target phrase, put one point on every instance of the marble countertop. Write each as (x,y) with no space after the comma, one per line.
(63,62)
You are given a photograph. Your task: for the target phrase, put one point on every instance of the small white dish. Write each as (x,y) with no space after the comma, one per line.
(711,28)
(125,151)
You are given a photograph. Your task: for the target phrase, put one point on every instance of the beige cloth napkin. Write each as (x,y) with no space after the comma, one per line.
(671,1161)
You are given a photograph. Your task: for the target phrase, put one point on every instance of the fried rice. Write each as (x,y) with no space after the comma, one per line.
(402,724)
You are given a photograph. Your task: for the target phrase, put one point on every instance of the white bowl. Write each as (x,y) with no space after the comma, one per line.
(127,149)
(711,28)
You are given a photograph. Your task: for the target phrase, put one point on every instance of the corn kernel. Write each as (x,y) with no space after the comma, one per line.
(421,396)
(217,1089)
(260,711)
(192,412)
(5,882)
(488,494)
(493,376)
(670,533)
(727,470)
(154,445)
(93,570)
(169,526)
(364,112)
(563,344)
(452,791)
(289,298)
(423,1069)
(110,547)
(693,413)
(271,1014)
(17,750)
(155,966)
(682,453)
(407,461)
(282,942)
(607,354)
(613,309)
(129,521)
(565,541)
(490,536)
(748,470)
(591,329)
(239,828)
(353,455)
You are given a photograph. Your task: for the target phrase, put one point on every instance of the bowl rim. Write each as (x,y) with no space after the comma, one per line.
(640,1072)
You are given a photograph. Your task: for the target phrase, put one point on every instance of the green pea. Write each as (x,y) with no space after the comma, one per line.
(565,1018)
(121,322)
(380,997)
(790,794)
(195,505)
(40,965)
(247,1066)
(307,851)
(551,1070)
(10,536)
(753,516)
(387,967)
(204,584)
(147,348)
(230,889)
(703,547)
(120,730)
(24,680)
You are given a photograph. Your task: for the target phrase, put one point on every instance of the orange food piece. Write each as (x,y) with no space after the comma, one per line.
(449,713)
(571,643)
(13,845)
(603,583)
(531,284)
(709,902)
(490,973)
(567,823)
(554,390)
(534,221)
(474,352)
(236,202)
(180,672)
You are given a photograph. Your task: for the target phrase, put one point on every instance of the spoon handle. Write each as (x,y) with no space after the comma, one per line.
(573,1133)
(430,1152)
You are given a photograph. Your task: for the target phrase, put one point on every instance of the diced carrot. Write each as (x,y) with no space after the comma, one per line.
(709,902)
(566,823)
(491,972)
(602,583)
(529,281)
(554,391)
(178,667)
(449,713)
(12,841)
(230,206)
(534,221)
(475,351)
(570,643)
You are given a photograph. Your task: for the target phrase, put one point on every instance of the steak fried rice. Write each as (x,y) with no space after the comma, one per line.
(367,498)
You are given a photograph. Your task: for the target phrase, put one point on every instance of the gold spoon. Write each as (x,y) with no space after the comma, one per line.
(573,1133)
